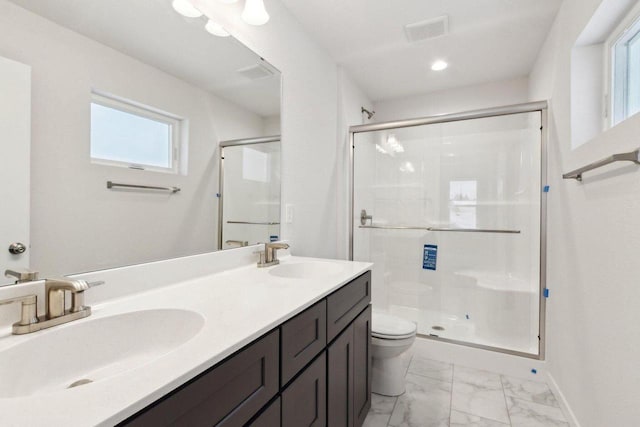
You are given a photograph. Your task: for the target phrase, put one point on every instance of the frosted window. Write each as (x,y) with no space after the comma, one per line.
(130,136)
(463,196)
(255,165)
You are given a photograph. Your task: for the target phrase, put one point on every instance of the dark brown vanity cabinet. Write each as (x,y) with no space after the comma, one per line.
(349,374)
(314,370)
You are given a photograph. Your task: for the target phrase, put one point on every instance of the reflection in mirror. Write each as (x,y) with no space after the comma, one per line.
(250,199)
(127,92)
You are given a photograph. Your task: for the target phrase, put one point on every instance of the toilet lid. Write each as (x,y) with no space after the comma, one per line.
(384,325)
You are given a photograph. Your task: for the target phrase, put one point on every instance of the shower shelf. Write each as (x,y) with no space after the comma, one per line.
(466,230)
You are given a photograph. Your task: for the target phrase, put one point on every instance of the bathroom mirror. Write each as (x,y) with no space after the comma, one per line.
(123,105)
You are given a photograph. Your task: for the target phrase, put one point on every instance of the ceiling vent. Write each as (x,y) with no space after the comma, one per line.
(256,72)
(429,29)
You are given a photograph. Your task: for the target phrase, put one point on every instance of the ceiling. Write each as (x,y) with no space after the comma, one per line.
(488,40)
(151,31)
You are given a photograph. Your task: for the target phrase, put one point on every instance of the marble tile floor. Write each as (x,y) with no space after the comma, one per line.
(445,395)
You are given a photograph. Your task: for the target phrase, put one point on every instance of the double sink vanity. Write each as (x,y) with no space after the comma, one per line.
(230,345)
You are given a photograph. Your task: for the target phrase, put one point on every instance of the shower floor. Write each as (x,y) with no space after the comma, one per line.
(453,327)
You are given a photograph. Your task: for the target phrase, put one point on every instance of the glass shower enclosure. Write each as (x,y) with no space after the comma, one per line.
(249,197)
(451,210)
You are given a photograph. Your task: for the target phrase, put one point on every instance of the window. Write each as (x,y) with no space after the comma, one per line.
(463,196)
(624,52)
(130,135)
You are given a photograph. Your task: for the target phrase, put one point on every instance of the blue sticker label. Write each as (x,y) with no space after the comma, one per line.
(273,238)
(430,257)
(546,188)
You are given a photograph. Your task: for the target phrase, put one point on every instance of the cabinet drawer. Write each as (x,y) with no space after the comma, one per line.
(346,303)
(304,402)
(302,338)
(227,395)
(270,417)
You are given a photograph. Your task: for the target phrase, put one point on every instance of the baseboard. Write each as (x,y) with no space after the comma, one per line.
(564,405)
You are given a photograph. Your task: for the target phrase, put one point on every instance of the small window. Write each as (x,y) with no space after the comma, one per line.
(463,197)
(625,71)
(130,135)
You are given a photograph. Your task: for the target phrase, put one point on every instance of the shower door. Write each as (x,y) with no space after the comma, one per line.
(250,192)
(450,213)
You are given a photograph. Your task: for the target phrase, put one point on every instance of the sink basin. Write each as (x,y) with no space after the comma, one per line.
(307,270)
(90,351)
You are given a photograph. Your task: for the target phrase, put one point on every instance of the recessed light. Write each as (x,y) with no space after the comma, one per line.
(439,65)
(185,8)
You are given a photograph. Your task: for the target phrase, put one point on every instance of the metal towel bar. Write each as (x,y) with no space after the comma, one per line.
(467,230)
(143,187)
(632,156)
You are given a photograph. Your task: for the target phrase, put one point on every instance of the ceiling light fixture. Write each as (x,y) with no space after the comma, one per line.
(254,12)
(185,8)
(439,65)
(216,29)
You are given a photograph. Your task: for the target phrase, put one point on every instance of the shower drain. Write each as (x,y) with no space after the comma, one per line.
(79,383)
(437,328)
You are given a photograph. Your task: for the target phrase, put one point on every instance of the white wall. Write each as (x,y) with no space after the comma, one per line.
(594,239)
(77,224)
(456,100)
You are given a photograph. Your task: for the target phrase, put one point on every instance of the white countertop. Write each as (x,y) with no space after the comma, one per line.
(238,306)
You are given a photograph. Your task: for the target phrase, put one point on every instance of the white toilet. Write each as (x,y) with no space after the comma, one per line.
(391,336)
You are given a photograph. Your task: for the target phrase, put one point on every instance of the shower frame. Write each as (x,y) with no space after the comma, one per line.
(235,143)
(530,107)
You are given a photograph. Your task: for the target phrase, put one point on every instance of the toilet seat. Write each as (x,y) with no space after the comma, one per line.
(387,327)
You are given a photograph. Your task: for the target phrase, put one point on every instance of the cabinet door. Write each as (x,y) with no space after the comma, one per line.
(304,402)
(270,417)
(340,380)
(302,338)
(362,366)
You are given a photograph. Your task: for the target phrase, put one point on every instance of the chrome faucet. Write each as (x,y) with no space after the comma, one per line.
(56,314)
(270,255)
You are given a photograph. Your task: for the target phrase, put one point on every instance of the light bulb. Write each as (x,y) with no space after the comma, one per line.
(216,29)
(439,65)
(184,8)
(254,13)
(227,1)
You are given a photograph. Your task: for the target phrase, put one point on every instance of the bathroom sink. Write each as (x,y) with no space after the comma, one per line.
(89,351)
(307,270)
